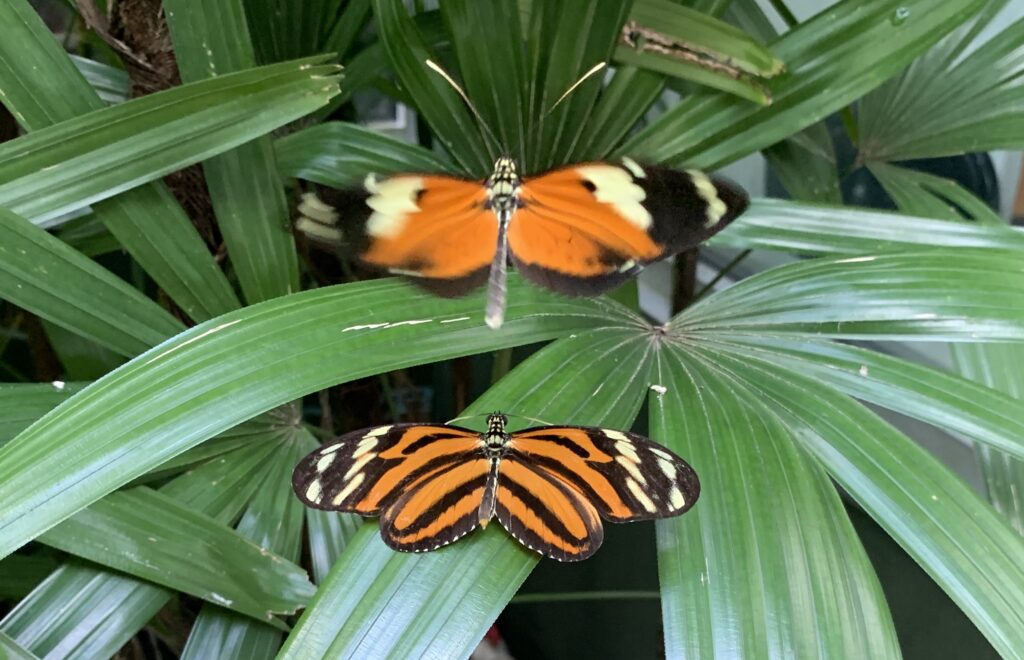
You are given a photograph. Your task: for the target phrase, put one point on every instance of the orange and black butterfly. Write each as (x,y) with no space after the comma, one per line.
(580,230)
(548,486)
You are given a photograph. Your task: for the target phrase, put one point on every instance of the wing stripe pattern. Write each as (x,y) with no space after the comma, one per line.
(626,476)
(545,514)
(365,470)
(438,509)
(548,486)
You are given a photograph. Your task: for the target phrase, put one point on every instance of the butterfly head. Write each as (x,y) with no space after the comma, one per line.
(496,437)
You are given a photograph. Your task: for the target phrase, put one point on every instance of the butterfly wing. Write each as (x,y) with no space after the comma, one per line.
(365,471)
(544,512)
(437,509)
(624,475)
(436,230)
(585,229)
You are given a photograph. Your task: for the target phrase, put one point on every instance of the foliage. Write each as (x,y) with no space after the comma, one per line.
(169,473)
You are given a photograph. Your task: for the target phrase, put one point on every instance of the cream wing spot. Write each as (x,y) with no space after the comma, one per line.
(392,201)
(641,497)
(627,449)
(331,449)
(313,492)
(634,167)
(661,453)
(615,435)
(325,462)
(668,467)
(615,186)
(706,189)
(380,430)
(348,490)
(676,499)
(358,465)
(631,467)
(365,445)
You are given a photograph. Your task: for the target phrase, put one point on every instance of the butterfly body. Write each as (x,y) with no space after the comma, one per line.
(579,230)
(548,486)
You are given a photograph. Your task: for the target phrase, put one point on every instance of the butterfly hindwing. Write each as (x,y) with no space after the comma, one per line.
(544,512)
(626,476)
(585,229)
(435,230)
(437,509)
(365,471)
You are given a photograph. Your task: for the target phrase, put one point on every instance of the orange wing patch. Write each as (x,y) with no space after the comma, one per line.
(579,229)
(626,476)
(364,471)
(586,229)
(438,509)
(546,514)
(430,227)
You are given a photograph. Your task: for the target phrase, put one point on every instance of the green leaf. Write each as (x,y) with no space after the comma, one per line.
(112,85)
(932,196)
(82,612)
(96,156)
(211,39)
(23,403)
(371,64)
(831,59)
(767,564)
(493,69)
(621,105)
(20,574)
(340,154)
(82,359)
(806,165)
(932,396)
(88,235)
(329,535)
(702,49)
(439,104)
(565,40)
(204,381)
(347,27)
(274,521)
(920,295)
(108,608)
(41,87)
(976,108)
(382,603)
(1001,367)
(149,535)
(816,230)
(13,650)
(43,275)
(955,536)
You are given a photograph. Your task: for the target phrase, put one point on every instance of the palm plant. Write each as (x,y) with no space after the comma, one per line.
(170,474)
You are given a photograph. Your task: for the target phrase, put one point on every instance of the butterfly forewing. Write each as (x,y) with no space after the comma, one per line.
(364,471)
(626,476)
(545,513)
(585,229)
(433,229)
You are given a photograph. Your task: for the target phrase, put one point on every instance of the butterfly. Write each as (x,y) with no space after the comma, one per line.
(579,230)
(549,486)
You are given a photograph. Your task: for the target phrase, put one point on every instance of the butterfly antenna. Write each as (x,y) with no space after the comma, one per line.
(469,104)
(572,88)
(530,419)
(459,419)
